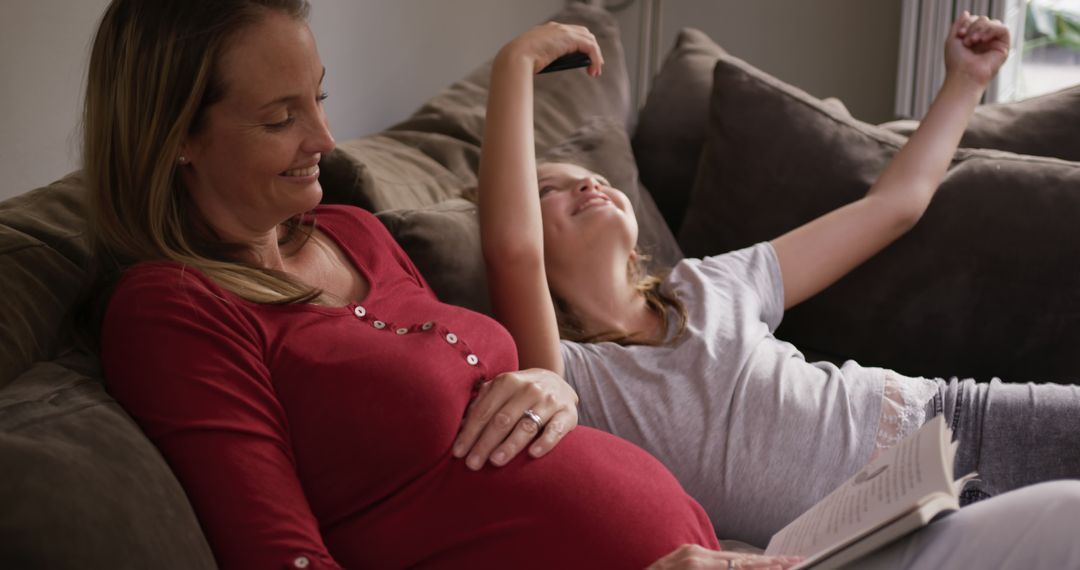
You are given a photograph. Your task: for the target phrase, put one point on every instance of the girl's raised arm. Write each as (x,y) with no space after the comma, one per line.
(510,224)
(818,253)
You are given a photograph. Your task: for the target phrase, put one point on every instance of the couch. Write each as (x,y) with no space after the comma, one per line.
(987,284)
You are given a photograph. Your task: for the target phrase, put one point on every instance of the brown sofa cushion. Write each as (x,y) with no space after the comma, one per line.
(1040,126)
(381,172)
(82,487)
(986,284)
(43,255)
(443,240)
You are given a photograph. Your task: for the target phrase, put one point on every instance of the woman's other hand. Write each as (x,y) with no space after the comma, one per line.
(977,47)
(542,44)
(691,556)
(510,412)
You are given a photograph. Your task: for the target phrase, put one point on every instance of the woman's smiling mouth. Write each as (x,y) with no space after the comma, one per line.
(302,172)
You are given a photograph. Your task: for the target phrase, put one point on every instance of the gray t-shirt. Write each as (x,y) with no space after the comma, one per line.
(752,430)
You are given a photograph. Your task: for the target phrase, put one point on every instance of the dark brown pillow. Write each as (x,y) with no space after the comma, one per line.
(443,241)
(671,127)
(986,284)
(673,124)
(1040,126)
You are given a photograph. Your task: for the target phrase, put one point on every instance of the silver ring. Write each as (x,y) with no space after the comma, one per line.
(535,417)
(730,564)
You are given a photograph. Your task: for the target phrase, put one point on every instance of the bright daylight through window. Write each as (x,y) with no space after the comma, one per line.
(1051,58)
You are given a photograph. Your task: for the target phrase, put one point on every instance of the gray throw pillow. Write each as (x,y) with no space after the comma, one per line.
(985,285)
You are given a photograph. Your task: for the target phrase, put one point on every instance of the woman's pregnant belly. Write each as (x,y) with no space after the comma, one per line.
(594,501)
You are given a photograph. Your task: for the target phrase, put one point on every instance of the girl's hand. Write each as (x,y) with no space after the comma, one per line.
(693,556)
(497,427)
(542,44)
(976,48)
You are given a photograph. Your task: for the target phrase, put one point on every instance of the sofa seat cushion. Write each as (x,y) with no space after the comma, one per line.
(83,488)
(986,283)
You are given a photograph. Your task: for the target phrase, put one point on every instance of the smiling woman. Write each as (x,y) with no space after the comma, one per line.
(252,160)
(171,125)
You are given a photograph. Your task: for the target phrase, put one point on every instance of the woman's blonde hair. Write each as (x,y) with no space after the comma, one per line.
(154,71)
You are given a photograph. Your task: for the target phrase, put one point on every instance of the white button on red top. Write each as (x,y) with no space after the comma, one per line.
(472,359)
(379,325)
(359,311)
(301,562)
(451,338)
(427,326)
(402,330)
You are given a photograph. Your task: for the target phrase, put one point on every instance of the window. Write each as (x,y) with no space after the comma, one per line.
(1045,54)
(1051,50)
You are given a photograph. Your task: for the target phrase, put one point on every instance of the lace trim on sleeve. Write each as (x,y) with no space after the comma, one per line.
(903,409)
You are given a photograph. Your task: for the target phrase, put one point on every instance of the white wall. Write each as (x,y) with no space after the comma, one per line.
(44,47)
(383,58)
(829,48)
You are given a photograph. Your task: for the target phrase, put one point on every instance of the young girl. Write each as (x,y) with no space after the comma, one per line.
(688,367)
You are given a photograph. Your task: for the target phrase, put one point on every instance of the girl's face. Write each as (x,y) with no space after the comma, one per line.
(582,213)
(254,161)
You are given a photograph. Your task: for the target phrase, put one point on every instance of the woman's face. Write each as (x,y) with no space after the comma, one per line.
(582,212)
(253,163)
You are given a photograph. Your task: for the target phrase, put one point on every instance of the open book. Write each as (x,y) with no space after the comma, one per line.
(900,491)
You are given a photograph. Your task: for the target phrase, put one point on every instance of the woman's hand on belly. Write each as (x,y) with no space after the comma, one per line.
(511,411)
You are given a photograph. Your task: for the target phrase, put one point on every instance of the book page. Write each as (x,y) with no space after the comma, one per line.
(897,482)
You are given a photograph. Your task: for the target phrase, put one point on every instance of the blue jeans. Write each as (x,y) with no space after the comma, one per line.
(1013,435)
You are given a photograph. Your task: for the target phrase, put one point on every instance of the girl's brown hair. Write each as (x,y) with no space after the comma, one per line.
(154,71)
(648,284)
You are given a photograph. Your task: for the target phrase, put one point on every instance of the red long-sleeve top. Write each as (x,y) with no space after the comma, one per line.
(319,437)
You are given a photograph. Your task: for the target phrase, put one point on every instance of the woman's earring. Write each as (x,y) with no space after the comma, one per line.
(182,160)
